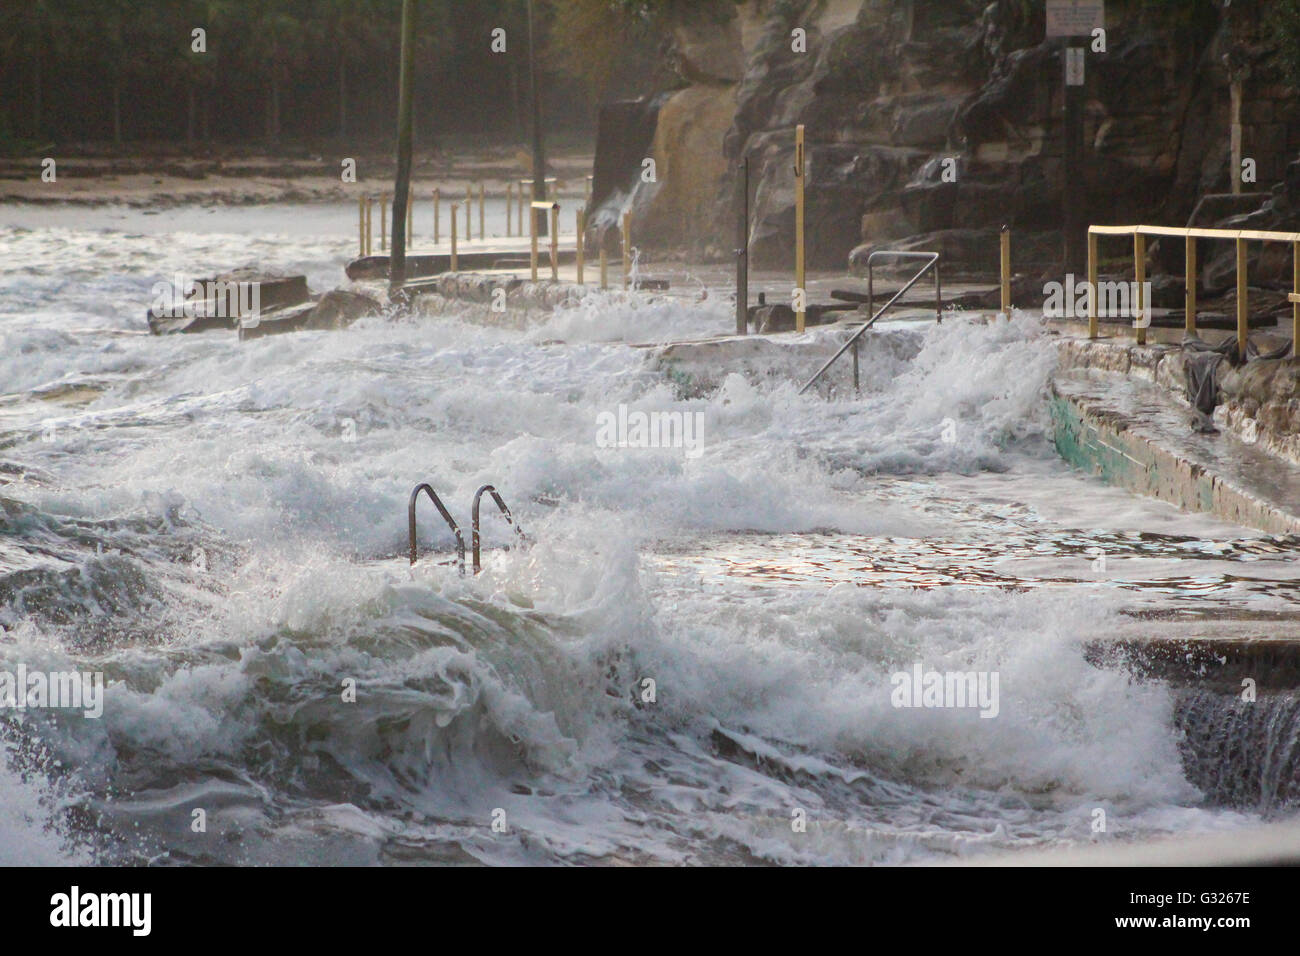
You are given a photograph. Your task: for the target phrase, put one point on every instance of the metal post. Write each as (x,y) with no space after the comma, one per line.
(604,271)
(938,294)
(510,202)
(1189,323)
(482,232)
(800,316)
(580,223)
(1243,300)
(1140,274)
(555,242)
(469,211)
(1006,271)
(627,249)
(361,225)
(1092,285)
(455,208)
(383,223)
(519,215)
(370,218)
(437,215)
(405,140)
(1073,186)
(742,251)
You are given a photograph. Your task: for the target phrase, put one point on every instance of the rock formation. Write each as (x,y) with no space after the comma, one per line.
(890,91)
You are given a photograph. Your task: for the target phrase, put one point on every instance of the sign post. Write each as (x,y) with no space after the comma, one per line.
(1072,20)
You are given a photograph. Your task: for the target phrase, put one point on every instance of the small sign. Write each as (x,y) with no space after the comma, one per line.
(1075,18)
(1074,66)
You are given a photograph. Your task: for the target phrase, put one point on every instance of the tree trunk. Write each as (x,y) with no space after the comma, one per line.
(37,119)
(117,111)
(514,92)
(539,142)
(343,97)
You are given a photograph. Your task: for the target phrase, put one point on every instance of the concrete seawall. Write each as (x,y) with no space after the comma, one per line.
(1118,413)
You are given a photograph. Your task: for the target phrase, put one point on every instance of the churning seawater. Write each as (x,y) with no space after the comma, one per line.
(220,529)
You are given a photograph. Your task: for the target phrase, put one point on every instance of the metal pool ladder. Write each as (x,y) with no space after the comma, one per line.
(451,522)
(505,513)
(932,262)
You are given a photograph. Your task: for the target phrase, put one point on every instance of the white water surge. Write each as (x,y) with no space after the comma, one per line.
(220,527)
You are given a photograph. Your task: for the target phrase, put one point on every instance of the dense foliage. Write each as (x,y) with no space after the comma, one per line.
(300,69)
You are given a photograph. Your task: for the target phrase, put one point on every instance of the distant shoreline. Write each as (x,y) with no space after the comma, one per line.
(163,181)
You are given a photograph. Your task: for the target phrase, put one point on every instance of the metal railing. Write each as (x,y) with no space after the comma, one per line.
(505,513)
(1190,236)
(446,516)
(932,262)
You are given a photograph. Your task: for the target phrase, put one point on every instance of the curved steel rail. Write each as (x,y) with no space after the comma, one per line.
(446,516)
(505,512)
(931,263)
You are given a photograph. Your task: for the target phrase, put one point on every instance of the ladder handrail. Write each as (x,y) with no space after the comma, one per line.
(505,512)
(853,340)
(446,516)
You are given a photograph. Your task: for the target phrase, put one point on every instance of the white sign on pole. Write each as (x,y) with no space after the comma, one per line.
(1075,18)
(1074,66)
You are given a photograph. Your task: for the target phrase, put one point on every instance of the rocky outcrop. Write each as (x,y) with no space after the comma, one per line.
(943,119)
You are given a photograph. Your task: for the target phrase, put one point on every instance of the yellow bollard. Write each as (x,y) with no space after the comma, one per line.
(437,215)
(555,242)
(452,265)
(580,224)
(383,223)
(370,232)
(532,230)
(1243,299)
(1295,309)
(800,315)
(1189,323)
(361,225)
(1092,285)
(627,249)
(1006,271)
(1140,274)
(482,232)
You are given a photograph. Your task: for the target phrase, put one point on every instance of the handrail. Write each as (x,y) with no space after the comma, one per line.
(446,516)
(501,505)
(1192,232)
(1189,236)
(853,340)
(932,259)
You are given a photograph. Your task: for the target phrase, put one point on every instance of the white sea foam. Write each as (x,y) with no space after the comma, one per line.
(287,462)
